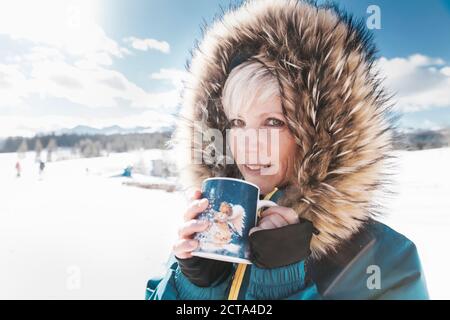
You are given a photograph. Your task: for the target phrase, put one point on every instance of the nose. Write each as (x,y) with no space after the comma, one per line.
(256,145)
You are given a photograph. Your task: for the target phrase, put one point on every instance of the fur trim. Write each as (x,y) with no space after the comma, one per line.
(332,99)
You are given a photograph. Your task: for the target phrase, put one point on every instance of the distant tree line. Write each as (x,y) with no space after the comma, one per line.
(422,139)
(95,145)
(89,145)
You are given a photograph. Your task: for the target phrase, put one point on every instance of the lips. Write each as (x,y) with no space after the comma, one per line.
(254,169)
(256,166)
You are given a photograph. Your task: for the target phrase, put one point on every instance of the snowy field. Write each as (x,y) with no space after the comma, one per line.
(78,233)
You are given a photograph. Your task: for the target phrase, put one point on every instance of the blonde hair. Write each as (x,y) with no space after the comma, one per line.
(248,83)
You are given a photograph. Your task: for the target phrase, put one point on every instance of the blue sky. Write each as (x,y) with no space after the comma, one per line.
(107,62)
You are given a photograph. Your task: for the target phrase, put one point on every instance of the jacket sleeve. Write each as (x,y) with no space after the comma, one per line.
(384,265)
(406,280)
(175,286)
(282,283)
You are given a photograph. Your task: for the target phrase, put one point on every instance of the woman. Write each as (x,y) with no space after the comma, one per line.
(303,73)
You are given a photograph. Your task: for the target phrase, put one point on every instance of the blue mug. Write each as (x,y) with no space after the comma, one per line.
(232,212)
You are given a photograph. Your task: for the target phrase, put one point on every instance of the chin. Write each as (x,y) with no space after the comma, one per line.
(266,183)
(264,187)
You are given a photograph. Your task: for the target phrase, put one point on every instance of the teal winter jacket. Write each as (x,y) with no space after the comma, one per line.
(378,263)
(336,110)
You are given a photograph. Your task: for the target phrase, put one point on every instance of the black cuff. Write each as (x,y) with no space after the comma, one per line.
(274,248)
(204,272)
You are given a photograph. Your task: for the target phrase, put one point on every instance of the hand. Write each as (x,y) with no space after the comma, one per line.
(275,217)
(280,238)
(185,244)
(200,271)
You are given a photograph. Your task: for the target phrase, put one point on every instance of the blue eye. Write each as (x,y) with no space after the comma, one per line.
(237,123)
(274,122)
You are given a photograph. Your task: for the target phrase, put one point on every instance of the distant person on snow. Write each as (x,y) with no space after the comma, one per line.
(41,168)
(127,171)
(18,169)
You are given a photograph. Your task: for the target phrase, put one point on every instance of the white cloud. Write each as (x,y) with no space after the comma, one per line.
(62,52)
(93,87)
(13,85)
(66,25)
(420,82)
(30,125)
(446,71)
(430,125)
(175,76)
(47,73)
(422,60)
(148,44)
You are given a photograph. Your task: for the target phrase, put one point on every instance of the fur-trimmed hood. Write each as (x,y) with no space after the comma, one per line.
(332,100)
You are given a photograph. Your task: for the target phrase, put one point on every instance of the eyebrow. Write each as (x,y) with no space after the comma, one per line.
(264,114)
(271,113)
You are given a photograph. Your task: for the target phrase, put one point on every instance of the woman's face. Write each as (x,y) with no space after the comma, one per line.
(262,145)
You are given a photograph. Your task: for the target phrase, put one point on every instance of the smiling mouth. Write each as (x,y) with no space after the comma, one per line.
(255,168)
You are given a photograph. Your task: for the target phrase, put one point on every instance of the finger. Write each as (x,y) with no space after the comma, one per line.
(194,208)
(270,222)
(287,213)
(191,227)
(183,248)
(254,229)
(277,220)
(266,224)
(196,194)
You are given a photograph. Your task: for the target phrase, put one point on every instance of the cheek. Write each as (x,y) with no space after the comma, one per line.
(232,143)
(237,149)
(287,150)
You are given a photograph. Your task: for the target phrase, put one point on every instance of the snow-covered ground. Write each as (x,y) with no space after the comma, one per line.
(78,233)
(421,211)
